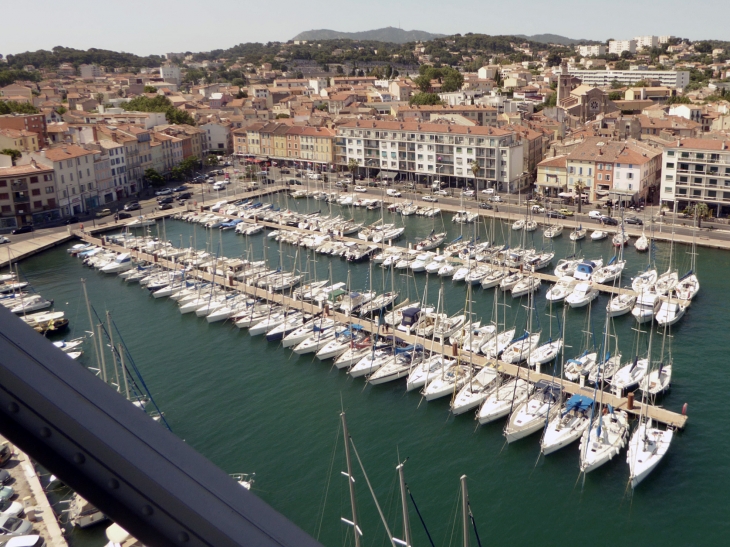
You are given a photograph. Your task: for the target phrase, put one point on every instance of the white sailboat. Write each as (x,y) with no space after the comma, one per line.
(530,417)
(501,400)
(569,424)
(647,447)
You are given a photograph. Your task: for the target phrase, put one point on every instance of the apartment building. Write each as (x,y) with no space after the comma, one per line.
(678,79)
(552,176)
(27,195)
(697,171)
(316,144)
(647,42)
(136,142)
(171,73)
(35,123)
(89,72)
(592,51)
(19,139)
(619,46)
(118,171)
(74,174)
(219,139)
(426,149)
(479,114)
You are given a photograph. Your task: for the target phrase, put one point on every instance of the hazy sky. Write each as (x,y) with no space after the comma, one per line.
(146,27)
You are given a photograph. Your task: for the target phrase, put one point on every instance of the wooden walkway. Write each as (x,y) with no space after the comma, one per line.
(657,413)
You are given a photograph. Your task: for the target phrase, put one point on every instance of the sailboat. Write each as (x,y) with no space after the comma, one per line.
(647,447)
(642,244)
(568,426)
(529,417)
(658,379)
(688,285)
(578,233)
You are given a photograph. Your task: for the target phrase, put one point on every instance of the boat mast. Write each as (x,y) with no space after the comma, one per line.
(351,482)
(91,326)
(111,345)
(465,511)
(404,506)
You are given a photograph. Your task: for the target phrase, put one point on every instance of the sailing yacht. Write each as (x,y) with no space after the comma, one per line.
(603,439)
(582,295)
(568,426)
(578,233)
(449,381)
(426,370)
(642,244)
(647,447)
(475,391)
(500,401)
(670,310)
(520,348)
(530,417)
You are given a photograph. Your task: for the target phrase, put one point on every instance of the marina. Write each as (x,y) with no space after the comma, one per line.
(236,245)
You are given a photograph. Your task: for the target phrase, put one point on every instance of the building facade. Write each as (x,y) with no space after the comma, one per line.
(27,195)
(671,78)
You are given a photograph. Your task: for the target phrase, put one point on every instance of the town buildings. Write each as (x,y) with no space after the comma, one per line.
(27,195)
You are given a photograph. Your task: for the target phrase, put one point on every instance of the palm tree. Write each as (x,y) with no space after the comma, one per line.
(352,166)
(702,211)
(578,189)
(475,171)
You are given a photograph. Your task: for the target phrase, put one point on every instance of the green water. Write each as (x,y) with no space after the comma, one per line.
(251,406)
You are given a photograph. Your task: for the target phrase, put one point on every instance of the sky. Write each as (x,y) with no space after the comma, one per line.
(155,27)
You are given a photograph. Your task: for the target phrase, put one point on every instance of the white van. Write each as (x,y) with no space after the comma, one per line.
(392,192)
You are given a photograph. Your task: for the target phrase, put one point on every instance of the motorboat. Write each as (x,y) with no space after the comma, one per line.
(475,391)
(530,226)
(598,235)
(464,217)
(647,447)
(31,304)
(582,364)
(620,304)
(518,224)
(582,295)
(448,269)
(670,310)
(567,266)
(561,289)
(121,263)
(435,264)
(603,439)
(620,239)
(568,426)
(530,416)
(647,304)
(502,399)
(422,260)
(584,270)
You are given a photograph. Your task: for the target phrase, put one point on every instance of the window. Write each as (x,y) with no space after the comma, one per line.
(91,185)
(670,165)
(590,171)
(4,196)
(713,182)
(600,166)
(631,186)
(580,170)
(670,153)
(711,194)
(670,177)
(608,177)
(35,192)
(71,176)
(73,190)
(33,179)
(49,189)
(668,190)
(600,176)
(37,204)
(469,151)
(683,179)
(608,167)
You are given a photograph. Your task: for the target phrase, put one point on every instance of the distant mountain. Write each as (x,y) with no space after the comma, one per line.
(553,39)
(387,34)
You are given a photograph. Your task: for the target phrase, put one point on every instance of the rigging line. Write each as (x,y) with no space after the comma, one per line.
(329,480)
(474,525)
(418,512)
(372,493)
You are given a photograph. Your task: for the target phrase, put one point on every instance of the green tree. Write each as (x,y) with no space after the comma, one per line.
(616,84)
(211,160)
(702,211)
(425,99)
(352,166)
(679,99)
(281,116)
(339,69)
(99,98)
(61,110)
(578,189)
(423,83)
(615,96)
(10,107)
(14,154)
(453,81)
(554,59)
(149,89)
(154,178)
(551,100)
(159,104)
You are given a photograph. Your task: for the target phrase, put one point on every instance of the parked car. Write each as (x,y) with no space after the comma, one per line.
(608,221)
(359,188)
(555,214)
(488,191)
(103,213)
(11,508)
(23,541)
(495,198)
(220,185)
(180,188)
(72,220)
(595,215)
(23,229)
(13,526)
(4,239)
(121,215)
(6,492)
(634,220)
(537,209)
(485,205)
(437,184)
(4,476)
(132,206)
(295,181)
(164,192)
(468,193)
(165,206)
(566,212)
(163,201)
(392,192)
(440,193)
(185,195)
(5,453)
(432,199)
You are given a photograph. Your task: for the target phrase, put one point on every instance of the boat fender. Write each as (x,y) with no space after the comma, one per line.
(684,409)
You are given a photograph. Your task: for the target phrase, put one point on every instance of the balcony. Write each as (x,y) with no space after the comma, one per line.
(21,198)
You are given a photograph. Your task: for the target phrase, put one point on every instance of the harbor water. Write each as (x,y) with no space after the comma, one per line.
(252,406)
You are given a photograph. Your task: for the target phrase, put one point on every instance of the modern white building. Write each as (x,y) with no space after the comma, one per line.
(75,176)
(590,51)
(89,72)
(171,73)
(435,150)
(646,42)
(697,171)
(118,170)
(597,78)
(619,46)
